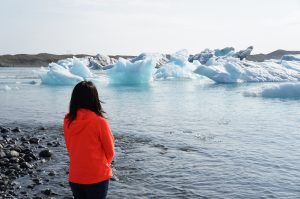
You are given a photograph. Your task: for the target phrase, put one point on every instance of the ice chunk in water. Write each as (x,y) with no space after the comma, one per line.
(233,70)
(79,69)
(177,68)
(134,72)
(67,72)
(224,52)
(58,75)
(286,90)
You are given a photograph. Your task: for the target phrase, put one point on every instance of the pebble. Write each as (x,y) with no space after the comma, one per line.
(16,130)
(52,173)
(26,165)
(37,181)
(47,192)
(14,153)
(5,130)
(34,140)
(45,153)
(2,154)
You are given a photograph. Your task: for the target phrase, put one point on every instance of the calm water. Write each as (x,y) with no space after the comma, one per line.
(178,139)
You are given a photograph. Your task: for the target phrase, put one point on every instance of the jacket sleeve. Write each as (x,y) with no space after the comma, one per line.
(107,140)
(66,135)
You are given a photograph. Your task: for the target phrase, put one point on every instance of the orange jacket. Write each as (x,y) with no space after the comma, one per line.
(90,145)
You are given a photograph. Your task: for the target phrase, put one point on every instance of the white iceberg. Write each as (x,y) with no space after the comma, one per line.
(68,72)
(79,69)
(286,90)
(178,68)
(233,70)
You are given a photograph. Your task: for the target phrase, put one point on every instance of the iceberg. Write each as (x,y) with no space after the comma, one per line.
(132,72)
(178,68)
(100,61)
(242,54)
(64,72)
(79,69)
(202,57)
(286,90)
(172,71)
(205,55)
(160,59)
(227,51)
(233,70)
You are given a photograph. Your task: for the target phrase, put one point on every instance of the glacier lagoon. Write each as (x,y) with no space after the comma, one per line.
(175,139)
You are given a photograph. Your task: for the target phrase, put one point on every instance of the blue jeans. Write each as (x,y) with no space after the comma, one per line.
(90,191)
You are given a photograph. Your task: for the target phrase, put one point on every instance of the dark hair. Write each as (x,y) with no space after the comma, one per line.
(84,95)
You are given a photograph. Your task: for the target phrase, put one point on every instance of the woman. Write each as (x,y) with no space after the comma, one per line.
(89,142)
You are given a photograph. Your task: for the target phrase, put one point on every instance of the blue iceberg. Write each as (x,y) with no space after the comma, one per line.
(132,72)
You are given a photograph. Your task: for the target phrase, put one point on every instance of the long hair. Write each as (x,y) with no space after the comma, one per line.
(84,95)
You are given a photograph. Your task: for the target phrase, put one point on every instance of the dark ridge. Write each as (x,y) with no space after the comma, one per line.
(38,60)
(273,55)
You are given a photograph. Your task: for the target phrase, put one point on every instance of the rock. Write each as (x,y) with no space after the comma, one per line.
(34,140)
(5,130)
(14,160)
(23,139)
(45,153)
(36,197)
(2,154)
(15,167)
(26,151)
(14,153)
(37,181)
(47,192)
(26,165)
(30,186)
(16,130)
(115,178)
(28,158)
(3,163)
(42,128)
(52,173)
(53,144)
(16,148)
(49,144)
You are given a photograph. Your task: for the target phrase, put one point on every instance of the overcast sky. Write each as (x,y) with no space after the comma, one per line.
(134,26)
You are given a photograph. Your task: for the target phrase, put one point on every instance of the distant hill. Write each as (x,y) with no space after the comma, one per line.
(43,59)
(273,55)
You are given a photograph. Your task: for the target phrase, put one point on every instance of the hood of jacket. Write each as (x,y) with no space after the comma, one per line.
(83,118)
